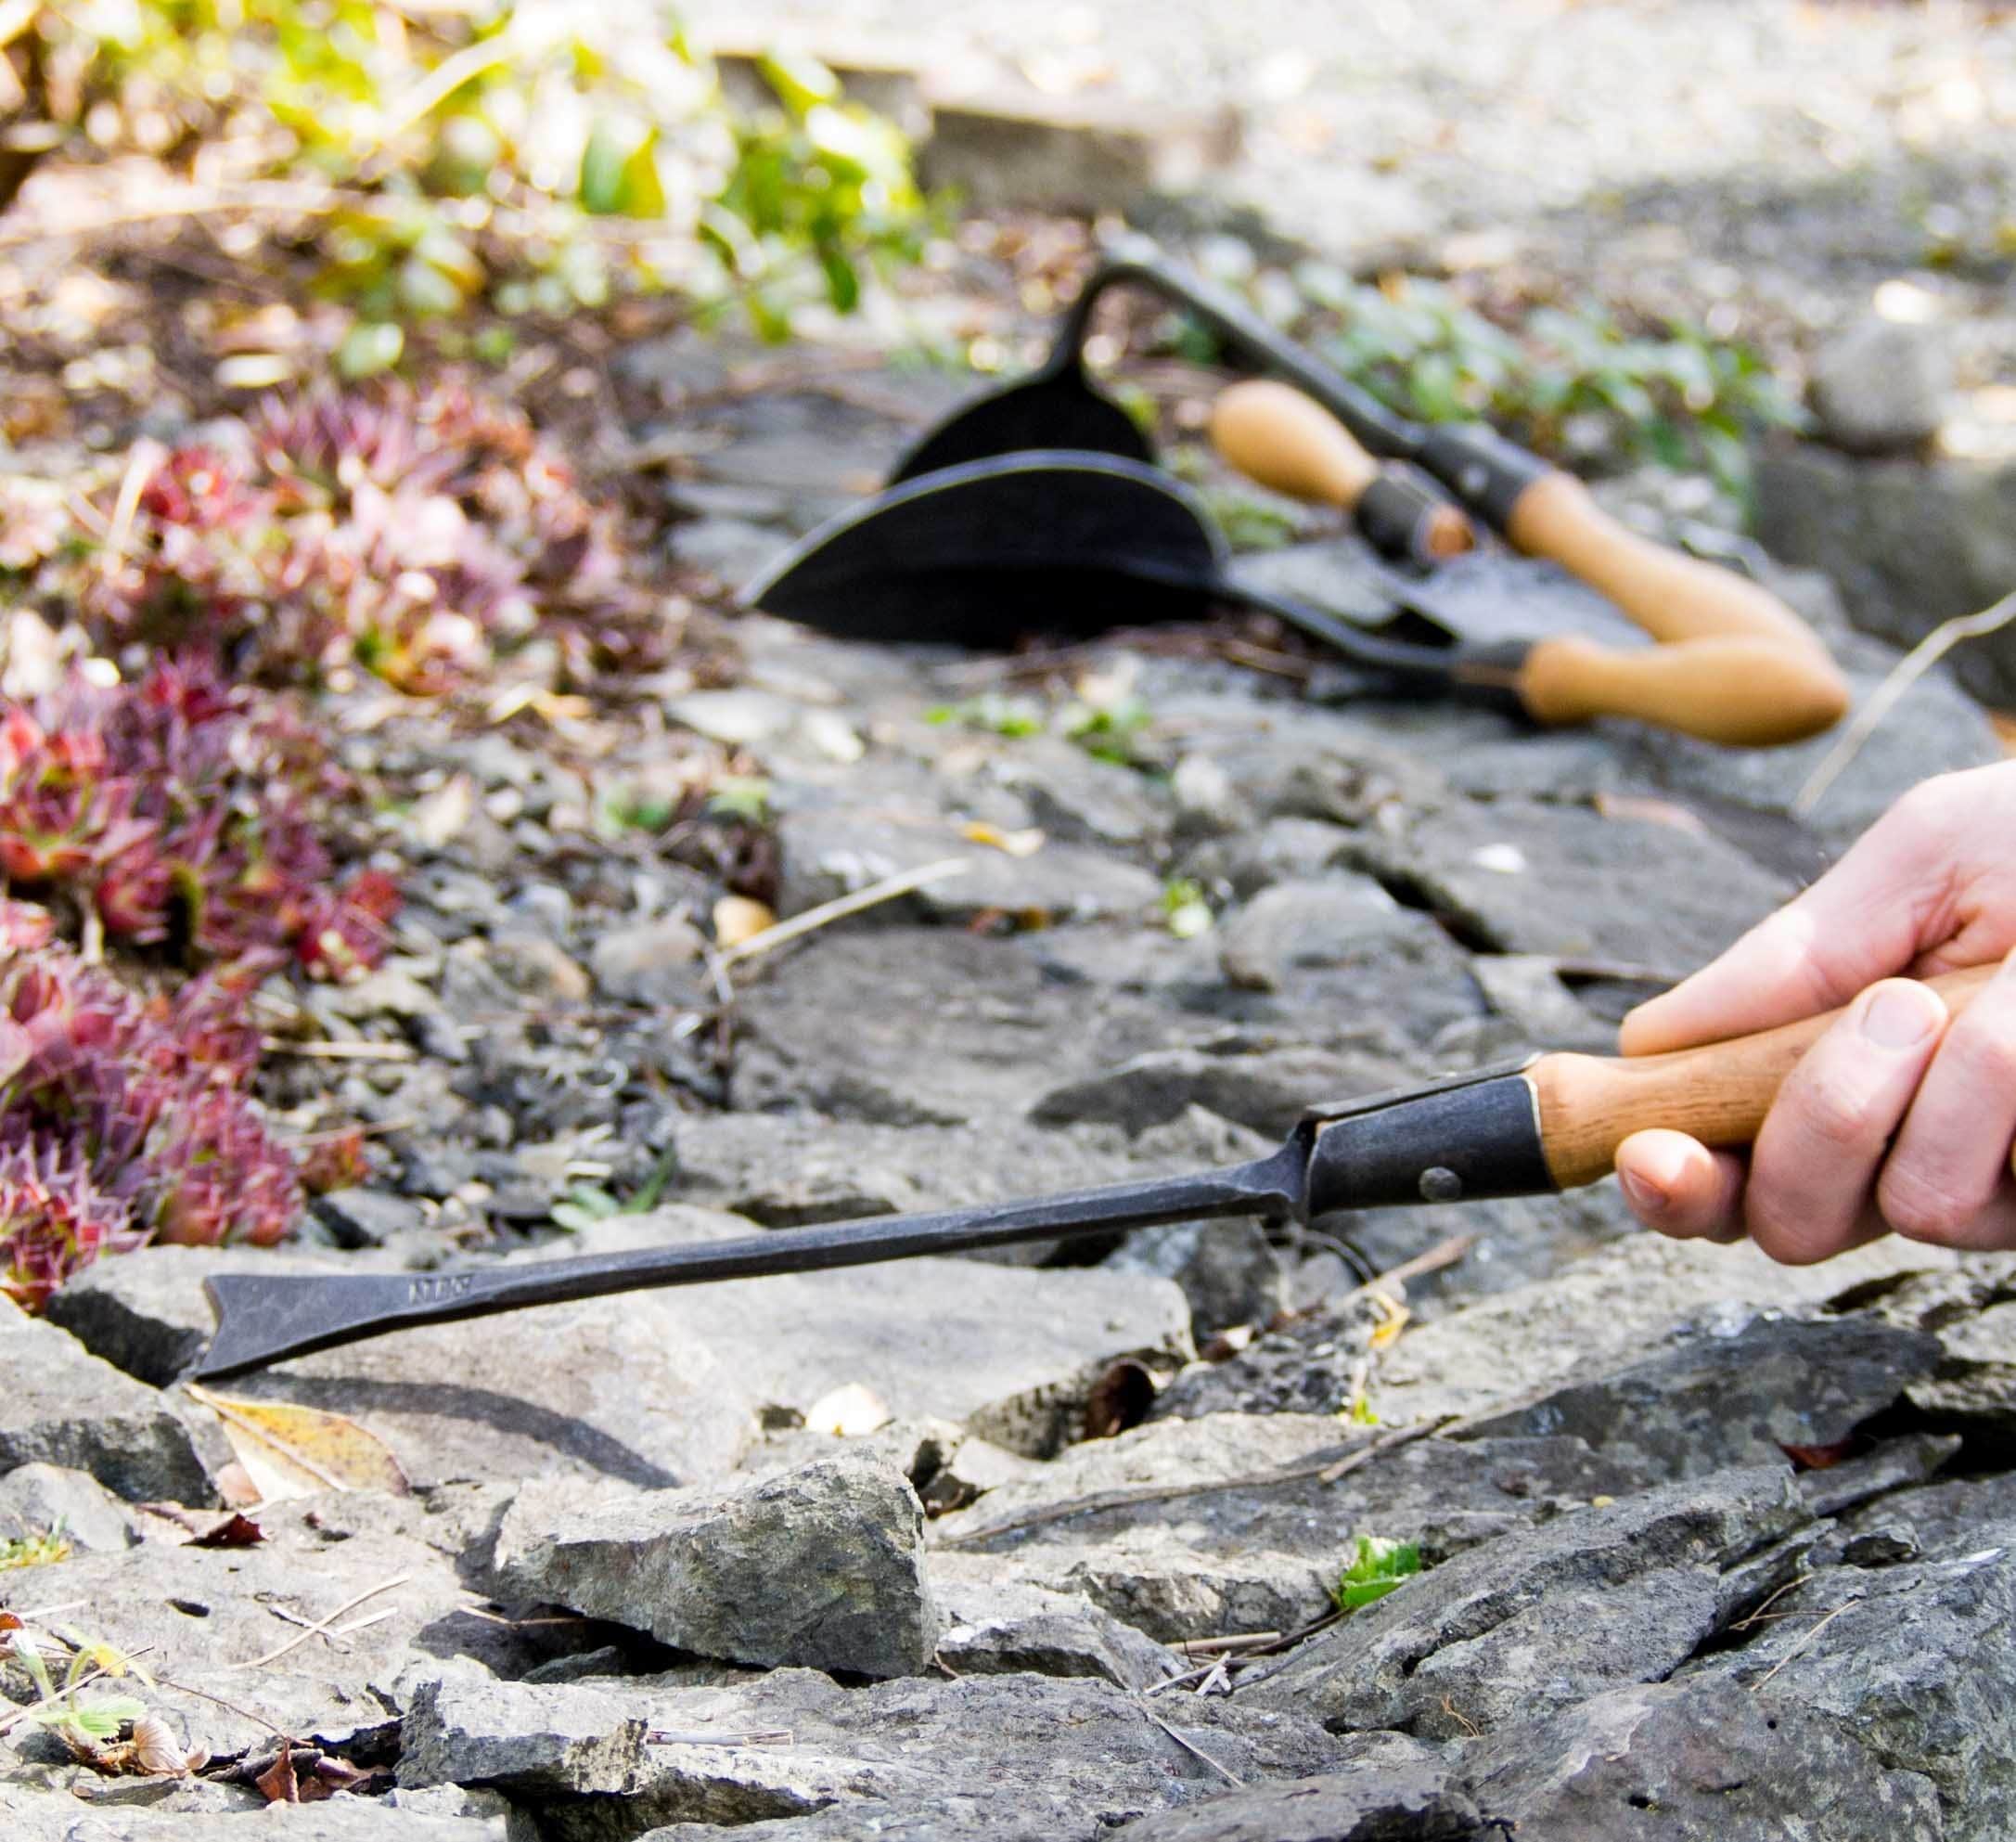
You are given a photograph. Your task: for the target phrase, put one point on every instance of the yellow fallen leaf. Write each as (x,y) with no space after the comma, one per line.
(737,918)
(1393,1316)
(290,1450)
(1016,843)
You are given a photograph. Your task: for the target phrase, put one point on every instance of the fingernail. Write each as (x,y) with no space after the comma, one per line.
(1646,1199)
(1901,1015)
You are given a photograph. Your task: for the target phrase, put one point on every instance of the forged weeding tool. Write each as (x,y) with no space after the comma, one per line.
(1058,406)
(1067,543)
(1539,509)
(1553,1124)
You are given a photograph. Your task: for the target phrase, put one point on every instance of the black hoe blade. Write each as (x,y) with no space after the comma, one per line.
(1071,544)
(268,1320)
(980,555)
(1058,406)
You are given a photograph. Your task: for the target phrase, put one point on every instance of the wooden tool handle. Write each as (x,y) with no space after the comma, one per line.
(1282,440)
(1671,596)
(1720,1093)
(1749,692)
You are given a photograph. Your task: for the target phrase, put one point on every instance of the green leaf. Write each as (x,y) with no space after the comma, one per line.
(619,169)
(101,1717)
(369,347)
(1379,1566)
(743,796)
(800,83)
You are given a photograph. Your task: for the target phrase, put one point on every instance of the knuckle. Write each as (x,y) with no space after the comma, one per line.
(1923,1209)
(1985,1048)
(1835,1113)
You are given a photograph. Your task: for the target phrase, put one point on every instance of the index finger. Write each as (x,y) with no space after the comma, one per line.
(1866,918)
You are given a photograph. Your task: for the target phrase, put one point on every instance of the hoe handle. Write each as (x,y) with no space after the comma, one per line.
(1734,664)
(1718,1093)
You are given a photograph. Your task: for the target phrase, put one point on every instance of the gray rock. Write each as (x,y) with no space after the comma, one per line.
(997,1625)
(539,966)
(1738,1392)
(65,1407)
(1193,1528)
(30,1818)
(927,1026)
(1522,877)
(1608,1308)
(1698,1760)
(1527,990)
(1879,386)
(831,852)
(1915,1663)
(203,1613)
(360,1217)
(1316,1362)
(1268,1089)
(1293,924)
(784,1170)
(1911,544)
(1976,1380)
(1076,798)
(1021,150)
(37,1499)
(1083,1756)
(1230,1272)
(1944,1518)
(1935,727)
(1541,1618)
(533,1742)
(1401,1801)
(1283,850)
(653,963)
(821,1567)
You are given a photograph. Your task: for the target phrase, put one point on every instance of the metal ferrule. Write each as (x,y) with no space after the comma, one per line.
(1484,471)
(1474,1137)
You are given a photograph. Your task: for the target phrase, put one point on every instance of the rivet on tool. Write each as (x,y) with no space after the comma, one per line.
(1440,1184)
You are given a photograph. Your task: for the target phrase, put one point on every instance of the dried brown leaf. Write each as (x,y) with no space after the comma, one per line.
(236,1531)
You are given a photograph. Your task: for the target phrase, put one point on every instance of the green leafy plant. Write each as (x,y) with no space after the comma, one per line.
(1379,1566)
(1184,912)
(1112,730)
(82,1723)
(992,712)
(742,796)
(35,1550)
(1558,378)
(539,156)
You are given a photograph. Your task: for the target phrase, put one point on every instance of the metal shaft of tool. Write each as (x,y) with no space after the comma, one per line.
(263,1319)
(1251,337)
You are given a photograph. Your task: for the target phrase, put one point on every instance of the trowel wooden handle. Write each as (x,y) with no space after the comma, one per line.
(1720,1093)
(1747,692)
(1280,439)
(1671,596)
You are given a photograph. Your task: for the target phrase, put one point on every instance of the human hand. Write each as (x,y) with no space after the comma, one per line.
(1899,1118)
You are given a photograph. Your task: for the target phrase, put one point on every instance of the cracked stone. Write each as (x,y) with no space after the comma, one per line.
(821,1567)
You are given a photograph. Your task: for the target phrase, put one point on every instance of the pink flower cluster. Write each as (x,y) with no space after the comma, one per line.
(184,811)
(413,534)
(124,1121)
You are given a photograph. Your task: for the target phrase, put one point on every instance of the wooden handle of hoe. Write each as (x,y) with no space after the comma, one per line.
(1720,1093)
(1280,439)
(1734,664)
